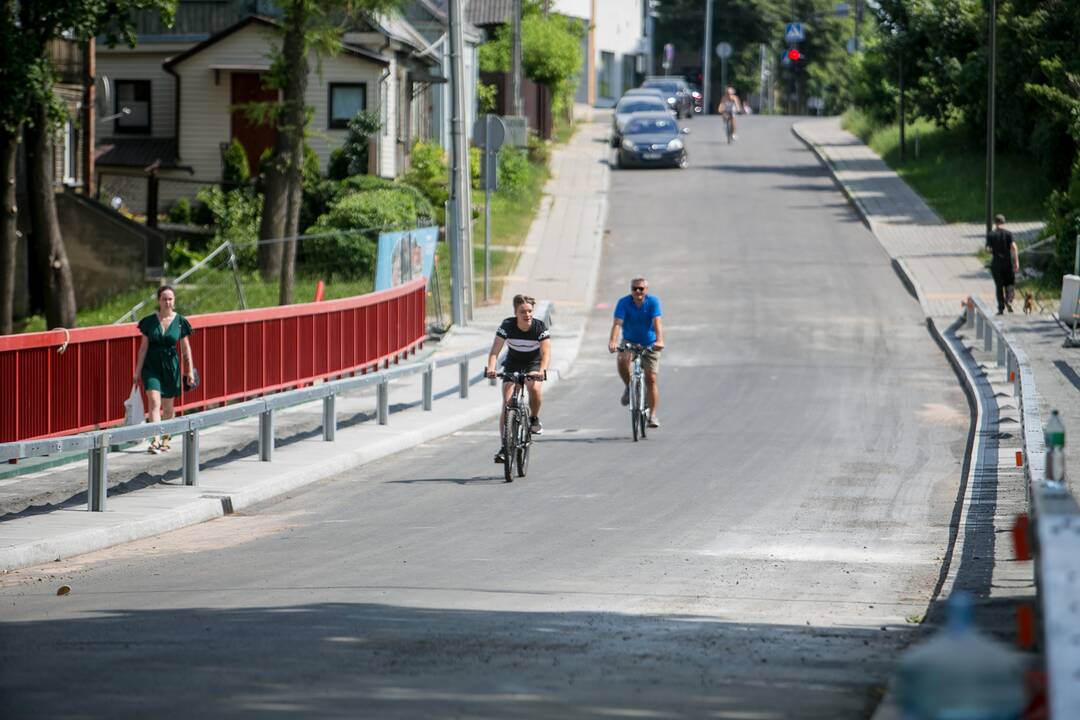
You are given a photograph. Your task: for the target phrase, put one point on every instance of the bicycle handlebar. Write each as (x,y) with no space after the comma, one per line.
(520,377)
(635,348)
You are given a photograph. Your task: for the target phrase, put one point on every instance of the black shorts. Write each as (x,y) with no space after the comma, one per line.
(533,366)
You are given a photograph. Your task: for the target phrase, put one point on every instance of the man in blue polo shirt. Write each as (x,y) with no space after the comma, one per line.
(637,316)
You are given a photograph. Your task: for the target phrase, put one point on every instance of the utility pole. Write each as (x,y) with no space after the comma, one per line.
(706,80)
(903,118)
(515,63)
(761,79)
(992,21)
(458,215)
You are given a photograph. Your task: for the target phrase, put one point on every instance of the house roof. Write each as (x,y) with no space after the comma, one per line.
(136,152)
(353,50)
(489,12)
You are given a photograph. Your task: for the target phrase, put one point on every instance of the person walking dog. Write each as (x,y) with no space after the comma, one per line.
(1004,264)
(158,365)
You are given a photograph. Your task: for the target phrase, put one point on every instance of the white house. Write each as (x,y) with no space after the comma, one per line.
(176,101)
(616,46)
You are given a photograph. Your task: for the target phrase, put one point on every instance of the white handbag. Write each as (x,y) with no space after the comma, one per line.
(134,413)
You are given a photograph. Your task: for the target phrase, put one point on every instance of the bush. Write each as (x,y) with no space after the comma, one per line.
(514,172)
(181,212)
(487,95)
(351,228)
(1063,222)
(235,171)
(475,154)
(236,214)
(352,158)
(539,149)
(429,172)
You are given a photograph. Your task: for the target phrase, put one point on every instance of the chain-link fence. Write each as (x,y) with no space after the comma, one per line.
(237,275)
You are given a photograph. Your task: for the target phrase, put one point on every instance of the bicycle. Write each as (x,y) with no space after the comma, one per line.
(639,408)
(729,126)
(516,433)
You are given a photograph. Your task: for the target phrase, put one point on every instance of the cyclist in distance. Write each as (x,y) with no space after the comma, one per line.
(730,106)
(638,318)
(529,351)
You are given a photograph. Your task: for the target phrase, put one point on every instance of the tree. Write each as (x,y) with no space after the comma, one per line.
(307,26)
(550,52)
(27,77)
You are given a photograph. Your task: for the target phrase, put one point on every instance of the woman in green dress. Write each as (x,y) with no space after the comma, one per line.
(158,366)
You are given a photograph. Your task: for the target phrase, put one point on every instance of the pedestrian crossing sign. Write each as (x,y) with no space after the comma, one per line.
(793,33)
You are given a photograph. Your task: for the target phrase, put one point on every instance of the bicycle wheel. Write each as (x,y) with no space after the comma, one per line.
(643,420)
(510,444)
(523,446)
(635,406)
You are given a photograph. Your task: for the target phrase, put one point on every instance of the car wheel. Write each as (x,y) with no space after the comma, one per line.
(618,161)
(683,162)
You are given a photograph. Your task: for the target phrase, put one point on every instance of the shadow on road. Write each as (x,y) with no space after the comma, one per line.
(358,659)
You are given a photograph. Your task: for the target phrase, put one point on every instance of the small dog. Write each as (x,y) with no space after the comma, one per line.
(1029,303)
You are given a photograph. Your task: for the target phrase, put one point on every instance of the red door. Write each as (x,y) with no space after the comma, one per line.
(248,88)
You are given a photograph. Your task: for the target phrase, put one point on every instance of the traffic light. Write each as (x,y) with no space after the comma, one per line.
(794,55)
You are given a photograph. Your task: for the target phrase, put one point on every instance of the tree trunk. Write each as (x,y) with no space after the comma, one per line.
(52,266)
(291,136)
(9,148)
(272,225)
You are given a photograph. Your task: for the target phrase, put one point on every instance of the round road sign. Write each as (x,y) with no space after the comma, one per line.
(723,50)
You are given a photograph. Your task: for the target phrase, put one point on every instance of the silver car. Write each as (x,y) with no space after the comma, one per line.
(627,106)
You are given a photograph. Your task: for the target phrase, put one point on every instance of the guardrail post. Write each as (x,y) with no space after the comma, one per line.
(266,435)
(988,336)
(191,457)
(382,394)
(429,386)
(979,323)
(98,471)
(1002,354)
(463,377)
(329,418)
(970,314)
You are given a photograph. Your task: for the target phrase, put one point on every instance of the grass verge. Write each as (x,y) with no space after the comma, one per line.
(949,171)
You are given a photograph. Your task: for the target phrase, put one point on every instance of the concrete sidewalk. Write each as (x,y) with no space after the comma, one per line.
(47,518)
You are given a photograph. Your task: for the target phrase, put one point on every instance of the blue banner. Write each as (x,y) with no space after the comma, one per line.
(404,256)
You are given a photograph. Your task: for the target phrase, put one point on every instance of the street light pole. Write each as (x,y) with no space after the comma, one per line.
(458,204)
(706,81)
(990,116)
(515,63)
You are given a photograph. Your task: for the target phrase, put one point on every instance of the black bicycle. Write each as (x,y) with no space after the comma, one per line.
(639,406)
(516,433)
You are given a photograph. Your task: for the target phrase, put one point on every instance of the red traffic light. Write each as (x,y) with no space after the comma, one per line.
(794,55)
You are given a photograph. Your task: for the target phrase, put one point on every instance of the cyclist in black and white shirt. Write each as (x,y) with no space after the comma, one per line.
(529,351)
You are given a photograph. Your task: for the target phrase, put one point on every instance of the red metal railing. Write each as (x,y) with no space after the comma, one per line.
(239,355)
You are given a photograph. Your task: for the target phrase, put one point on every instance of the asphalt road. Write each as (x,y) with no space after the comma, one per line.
(759,556)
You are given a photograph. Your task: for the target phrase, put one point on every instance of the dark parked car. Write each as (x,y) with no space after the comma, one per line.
(652,139)
(678,92)
(627,107)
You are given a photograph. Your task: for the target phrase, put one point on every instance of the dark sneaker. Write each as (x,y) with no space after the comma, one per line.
(625,399)
(1008,306)
(500,457)
(535,427)
(654,422)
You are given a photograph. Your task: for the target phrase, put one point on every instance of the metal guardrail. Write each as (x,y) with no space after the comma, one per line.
(96,444)
(1055,518)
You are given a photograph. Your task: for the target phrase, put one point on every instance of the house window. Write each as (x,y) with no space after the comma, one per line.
(133,100)
(69,153)
(346,100)
(606,71)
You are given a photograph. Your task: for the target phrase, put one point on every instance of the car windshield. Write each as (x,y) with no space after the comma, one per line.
(639,104)
(651,126)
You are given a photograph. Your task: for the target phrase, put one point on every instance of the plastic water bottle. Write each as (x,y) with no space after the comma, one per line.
(960,674)
(1054,436)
